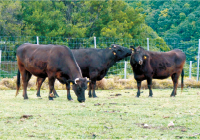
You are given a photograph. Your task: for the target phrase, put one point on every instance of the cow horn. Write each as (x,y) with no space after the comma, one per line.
(77,79)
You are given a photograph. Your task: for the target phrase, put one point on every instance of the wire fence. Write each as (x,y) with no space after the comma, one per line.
(8,46)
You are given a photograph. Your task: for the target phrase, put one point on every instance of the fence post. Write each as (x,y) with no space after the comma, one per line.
(198,62)
(190,70)
(125,65)
(147,44)
(95,44)
(37,40)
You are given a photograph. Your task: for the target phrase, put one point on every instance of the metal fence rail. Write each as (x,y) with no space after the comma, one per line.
(8,46)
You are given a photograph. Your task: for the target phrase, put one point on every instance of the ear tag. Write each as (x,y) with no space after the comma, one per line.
(109,48)
(132,50)
(114,53)
(114,46)
(145,57)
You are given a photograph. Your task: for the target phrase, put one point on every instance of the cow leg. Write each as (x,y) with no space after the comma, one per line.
(51,87)
(149,83)
(39,84)
(93,86)
(139,87)
(175,82)
(26,75)
(68,92)
(55,93)
(90,89)
(89,92)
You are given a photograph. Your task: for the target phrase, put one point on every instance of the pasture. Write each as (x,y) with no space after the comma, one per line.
(116,114)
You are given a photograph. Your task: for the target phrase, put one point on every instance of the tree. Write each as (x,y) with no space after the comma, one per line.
(10,18)
(43,18)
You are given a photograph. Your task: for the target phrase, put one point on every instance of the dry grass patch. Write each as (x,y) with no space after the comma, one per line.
(113,82)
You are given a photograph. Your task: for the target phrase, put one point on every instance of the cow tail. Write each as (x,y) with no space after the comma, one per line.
(182,76)
(18,83)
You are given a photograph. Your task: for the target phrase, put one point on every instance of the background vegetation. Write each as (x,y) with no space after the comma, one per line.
(116,19)
(173,18)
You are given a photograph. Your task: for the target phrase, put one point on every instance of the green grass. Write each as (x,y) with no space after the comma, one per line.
(106,117)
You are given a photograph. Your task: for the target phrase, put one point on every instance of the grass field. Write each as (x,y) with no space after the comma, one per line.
(107,117)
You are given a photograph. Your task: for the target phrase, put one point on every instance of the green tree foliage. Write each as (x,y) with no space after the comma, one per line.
(43,18)
(74,19)
(10,18)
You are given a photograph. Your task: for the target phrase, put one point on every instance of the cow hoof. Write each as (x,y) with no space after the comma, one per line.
(150,96)
(95,97)
(71,100)
(50,99)
(136,96)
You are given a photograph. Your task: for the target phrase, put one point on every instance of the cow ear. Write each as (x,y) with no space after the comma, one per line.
(132,48)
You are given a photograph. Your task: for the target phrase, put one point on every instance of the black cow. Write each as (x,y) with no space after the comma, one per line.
(149,65)
(52,61)
(94,63)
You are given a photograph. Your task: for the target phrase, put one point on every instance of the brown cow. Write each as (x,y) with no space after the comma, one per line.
(148,65)
(52,61)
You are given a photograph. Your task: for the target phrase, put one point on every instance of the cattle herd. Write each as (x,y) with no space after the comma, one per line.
(77,65)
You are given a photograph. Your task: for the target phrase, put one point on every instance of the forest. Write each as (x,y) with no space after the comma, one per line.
(105,18)
(173,18)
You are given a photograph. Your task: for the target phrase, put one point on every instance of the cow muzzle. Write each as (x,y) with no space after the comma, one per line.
(140,62)
(81,101)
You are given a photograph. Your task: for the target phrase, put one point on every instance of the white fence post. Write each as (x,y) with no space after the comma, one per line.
(95,44)
(147,44)
(125,65)
(198,62)
(37,40)
(190,70)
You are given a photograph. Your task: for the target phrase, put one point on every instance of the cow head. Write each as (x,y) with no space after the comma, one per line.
(79,86)
(120,52)
(139,55)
